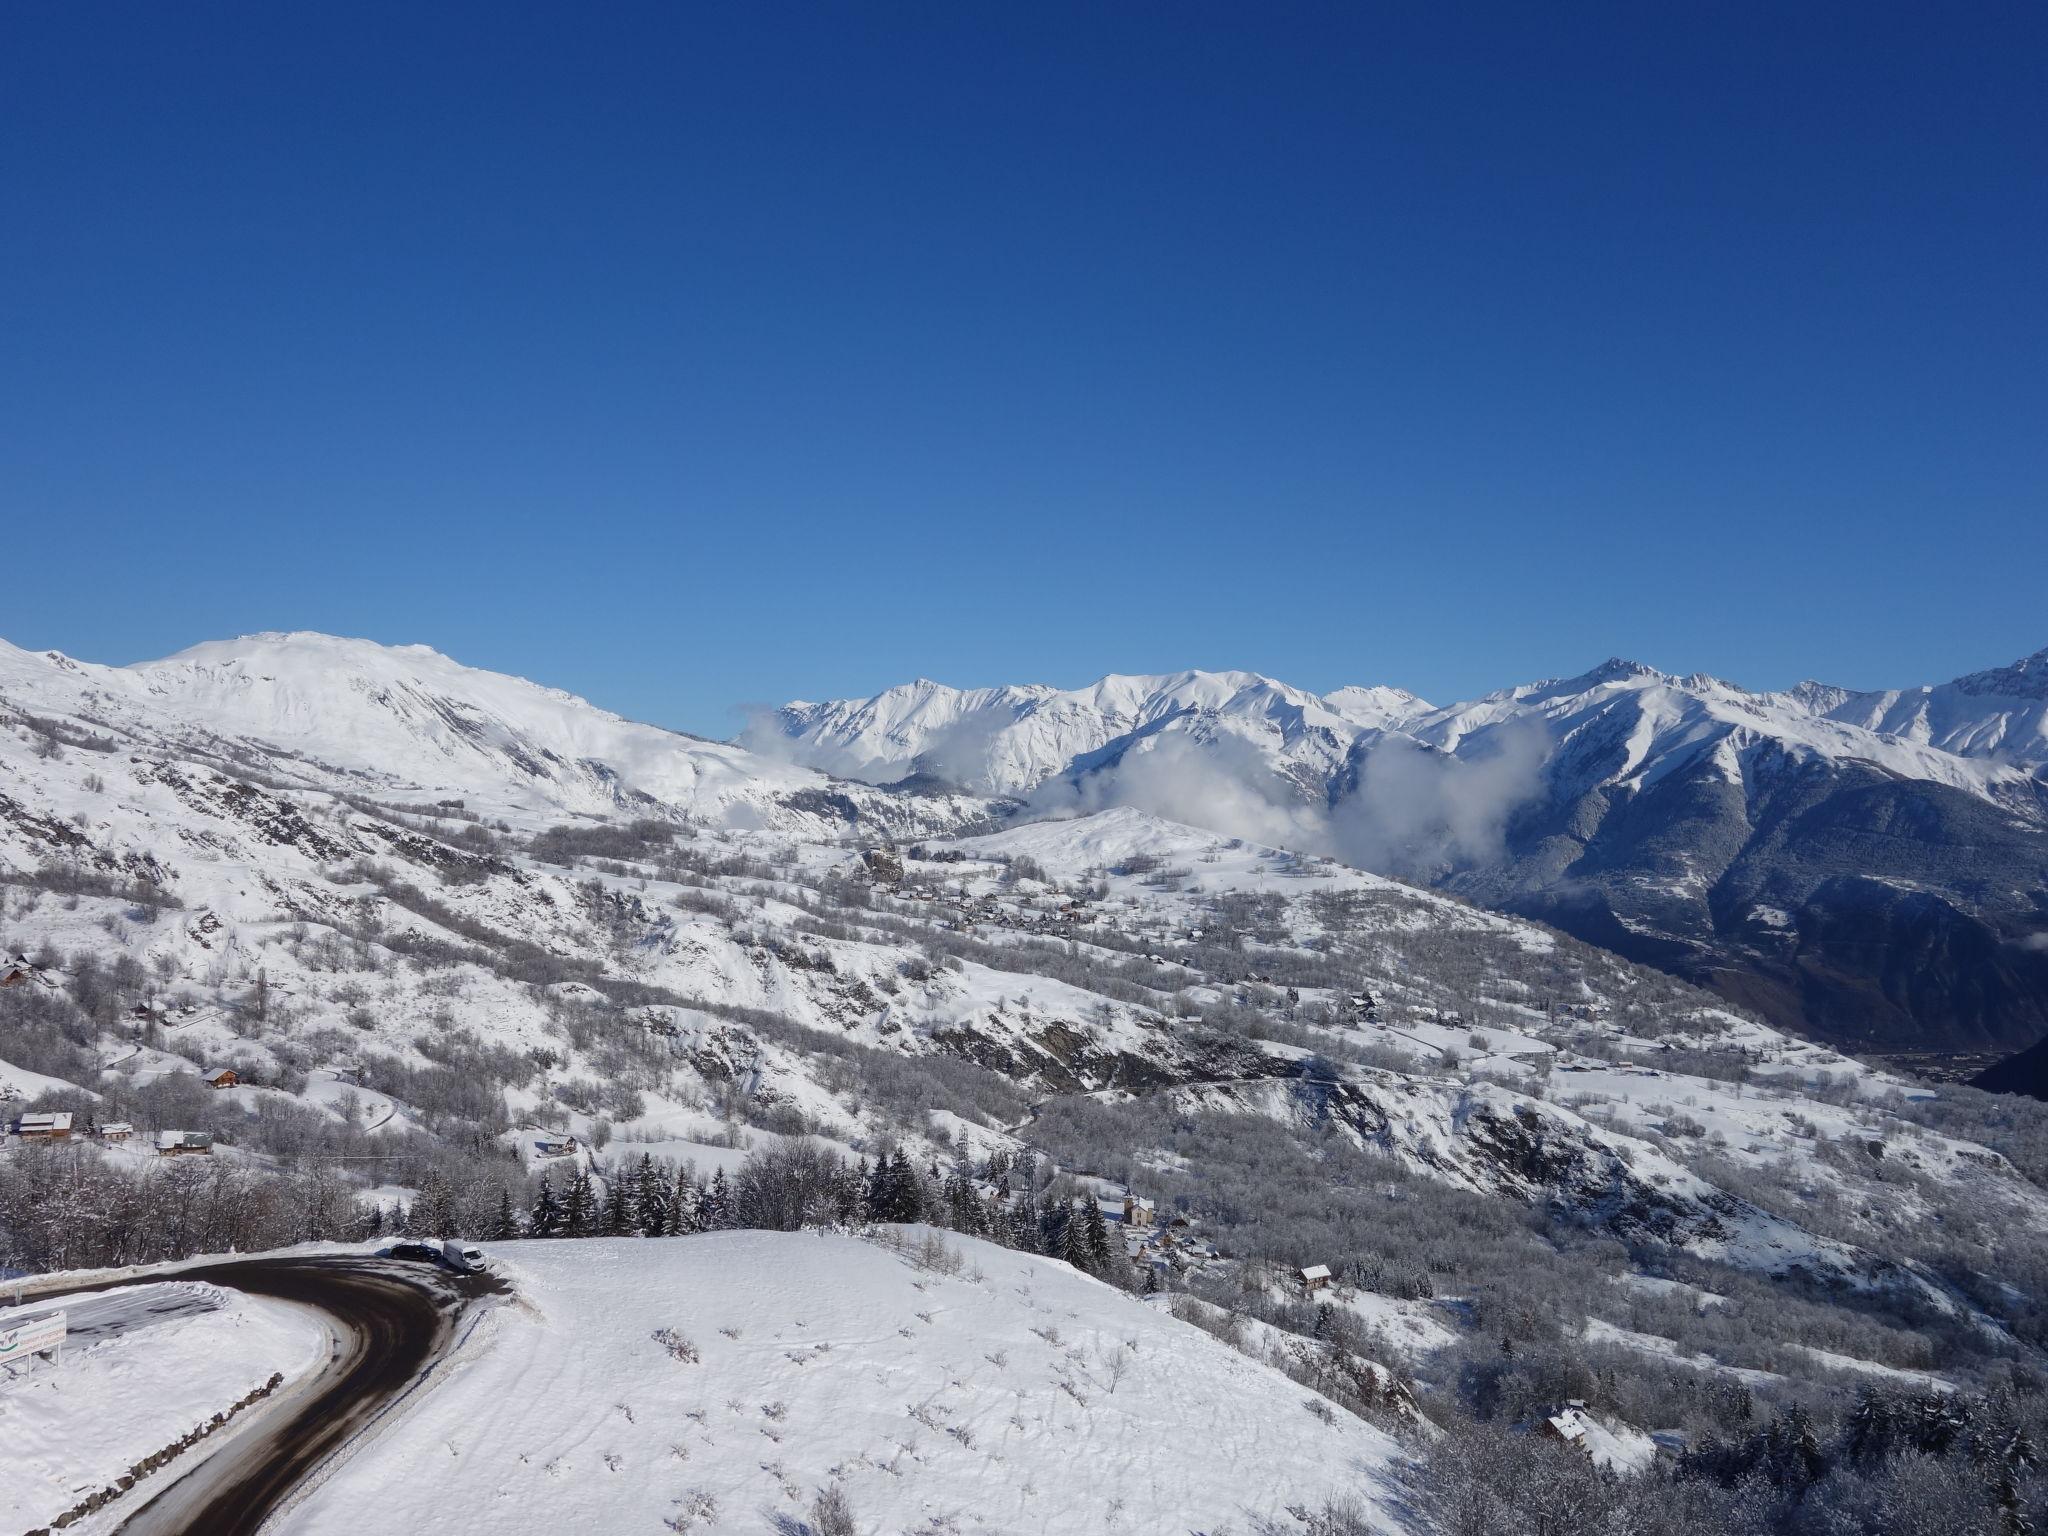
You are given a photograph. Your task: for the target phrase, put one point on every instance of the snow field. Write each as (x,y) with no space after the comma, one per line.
(1014,1396)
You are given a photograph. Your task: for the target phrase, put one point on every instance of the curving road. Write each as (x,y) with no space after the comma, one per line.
(393,1321)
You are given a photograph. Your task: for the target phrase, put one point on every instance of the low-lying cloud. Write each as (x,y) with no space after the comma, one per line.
(1415,811)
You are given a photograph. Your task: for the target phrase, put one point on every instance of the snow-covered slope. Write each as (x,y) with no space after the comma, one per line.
(375,719)
(2001,714)
(1781,845)
(1011,1395)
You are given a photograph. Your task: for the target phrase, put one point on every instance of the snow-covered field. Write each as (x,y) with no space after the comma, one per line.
(1014,1396)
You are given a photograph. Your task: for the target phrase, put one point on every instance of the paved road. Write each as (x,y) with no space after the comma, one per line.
(392,1321)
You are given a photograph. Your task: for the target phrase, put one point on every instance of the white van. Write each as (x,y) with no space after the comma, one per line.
(461,1256)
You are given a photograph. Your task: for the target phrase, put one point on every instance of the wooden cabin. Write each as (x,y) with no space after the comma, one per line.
(49,1126)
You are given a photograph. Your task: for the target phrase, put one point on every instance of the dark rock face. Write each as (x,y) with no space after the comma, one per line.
(1832,897)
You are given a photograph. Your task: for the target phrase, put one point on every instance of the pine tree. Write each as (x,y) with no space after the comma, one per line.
(652,1195)
(579,1206)
(862,1178)
(686,1206)
(620,1200)
(718,1212)
(505,1225)
(1096,1232)
(1074,1247)
(547,1217)
(907,1189)
(1052,1225)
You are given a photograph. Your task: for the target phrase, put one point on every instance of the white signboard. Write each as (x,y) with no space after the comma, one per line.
(32,1338)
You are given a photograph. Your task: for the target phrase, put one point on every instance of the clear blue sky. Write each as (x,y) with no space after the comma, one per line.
(687,355)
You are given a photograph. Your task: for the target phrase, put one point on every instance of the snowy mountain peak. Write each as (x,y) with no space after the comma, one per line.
(1619,669)
(2026,678)
(386,715)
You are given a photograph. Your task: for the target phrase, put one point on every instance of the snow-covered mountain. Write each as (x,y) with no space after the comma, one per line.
(1007,741)
(456,932)
(373,719)
(2001,714)
(1760,840)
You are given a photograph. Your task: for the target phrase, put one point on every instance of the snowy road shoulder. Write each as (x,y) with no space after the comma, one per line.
(150,1363)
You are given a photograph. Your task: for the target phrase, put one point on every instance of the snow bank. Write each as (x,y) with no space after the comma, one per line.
(138,1386)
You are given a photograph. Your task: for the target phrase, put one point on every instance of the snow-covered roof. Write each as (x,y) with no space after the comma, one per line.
(50,1121)
(1316,1272)
(117,1128)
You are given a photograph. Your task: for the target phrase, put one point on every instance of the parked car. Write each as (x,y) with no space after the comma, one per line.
(416,1253)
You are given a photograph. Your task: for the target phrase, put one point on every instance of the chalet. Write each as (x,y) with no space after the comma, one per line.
(547,1144)
(1315,1278)
(116,1130)
(15,976)
(221,1077)
(1568,1426)
(44,1127)
(184,1143)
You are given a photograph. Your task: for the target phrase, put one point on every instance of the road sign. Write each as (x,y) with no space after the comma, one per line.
(25,1339)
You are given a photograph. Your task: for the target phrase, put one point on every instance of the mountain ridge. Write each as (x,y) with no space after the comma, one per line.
(1672,817)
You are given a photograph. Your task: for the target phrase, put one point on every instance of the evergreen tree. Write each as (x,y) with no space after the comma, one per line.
(505,1228)
(686,1206)
(621,1199)
(547,1217)
(579,1206)
(718,1211)
(1053,1217)
(652,1194)
(1096,1233)
(862,1178)
(1074,1248)
(906,1189)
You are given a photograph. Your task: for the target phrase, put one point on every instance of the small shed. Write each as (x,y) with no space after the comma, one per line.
(1315,1278)
(184,1143)
(221,1077)
(116,1130)
(53,1126)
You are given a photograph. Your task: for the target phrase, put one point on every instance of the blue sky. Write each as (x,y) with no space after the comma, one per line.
(690,356)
